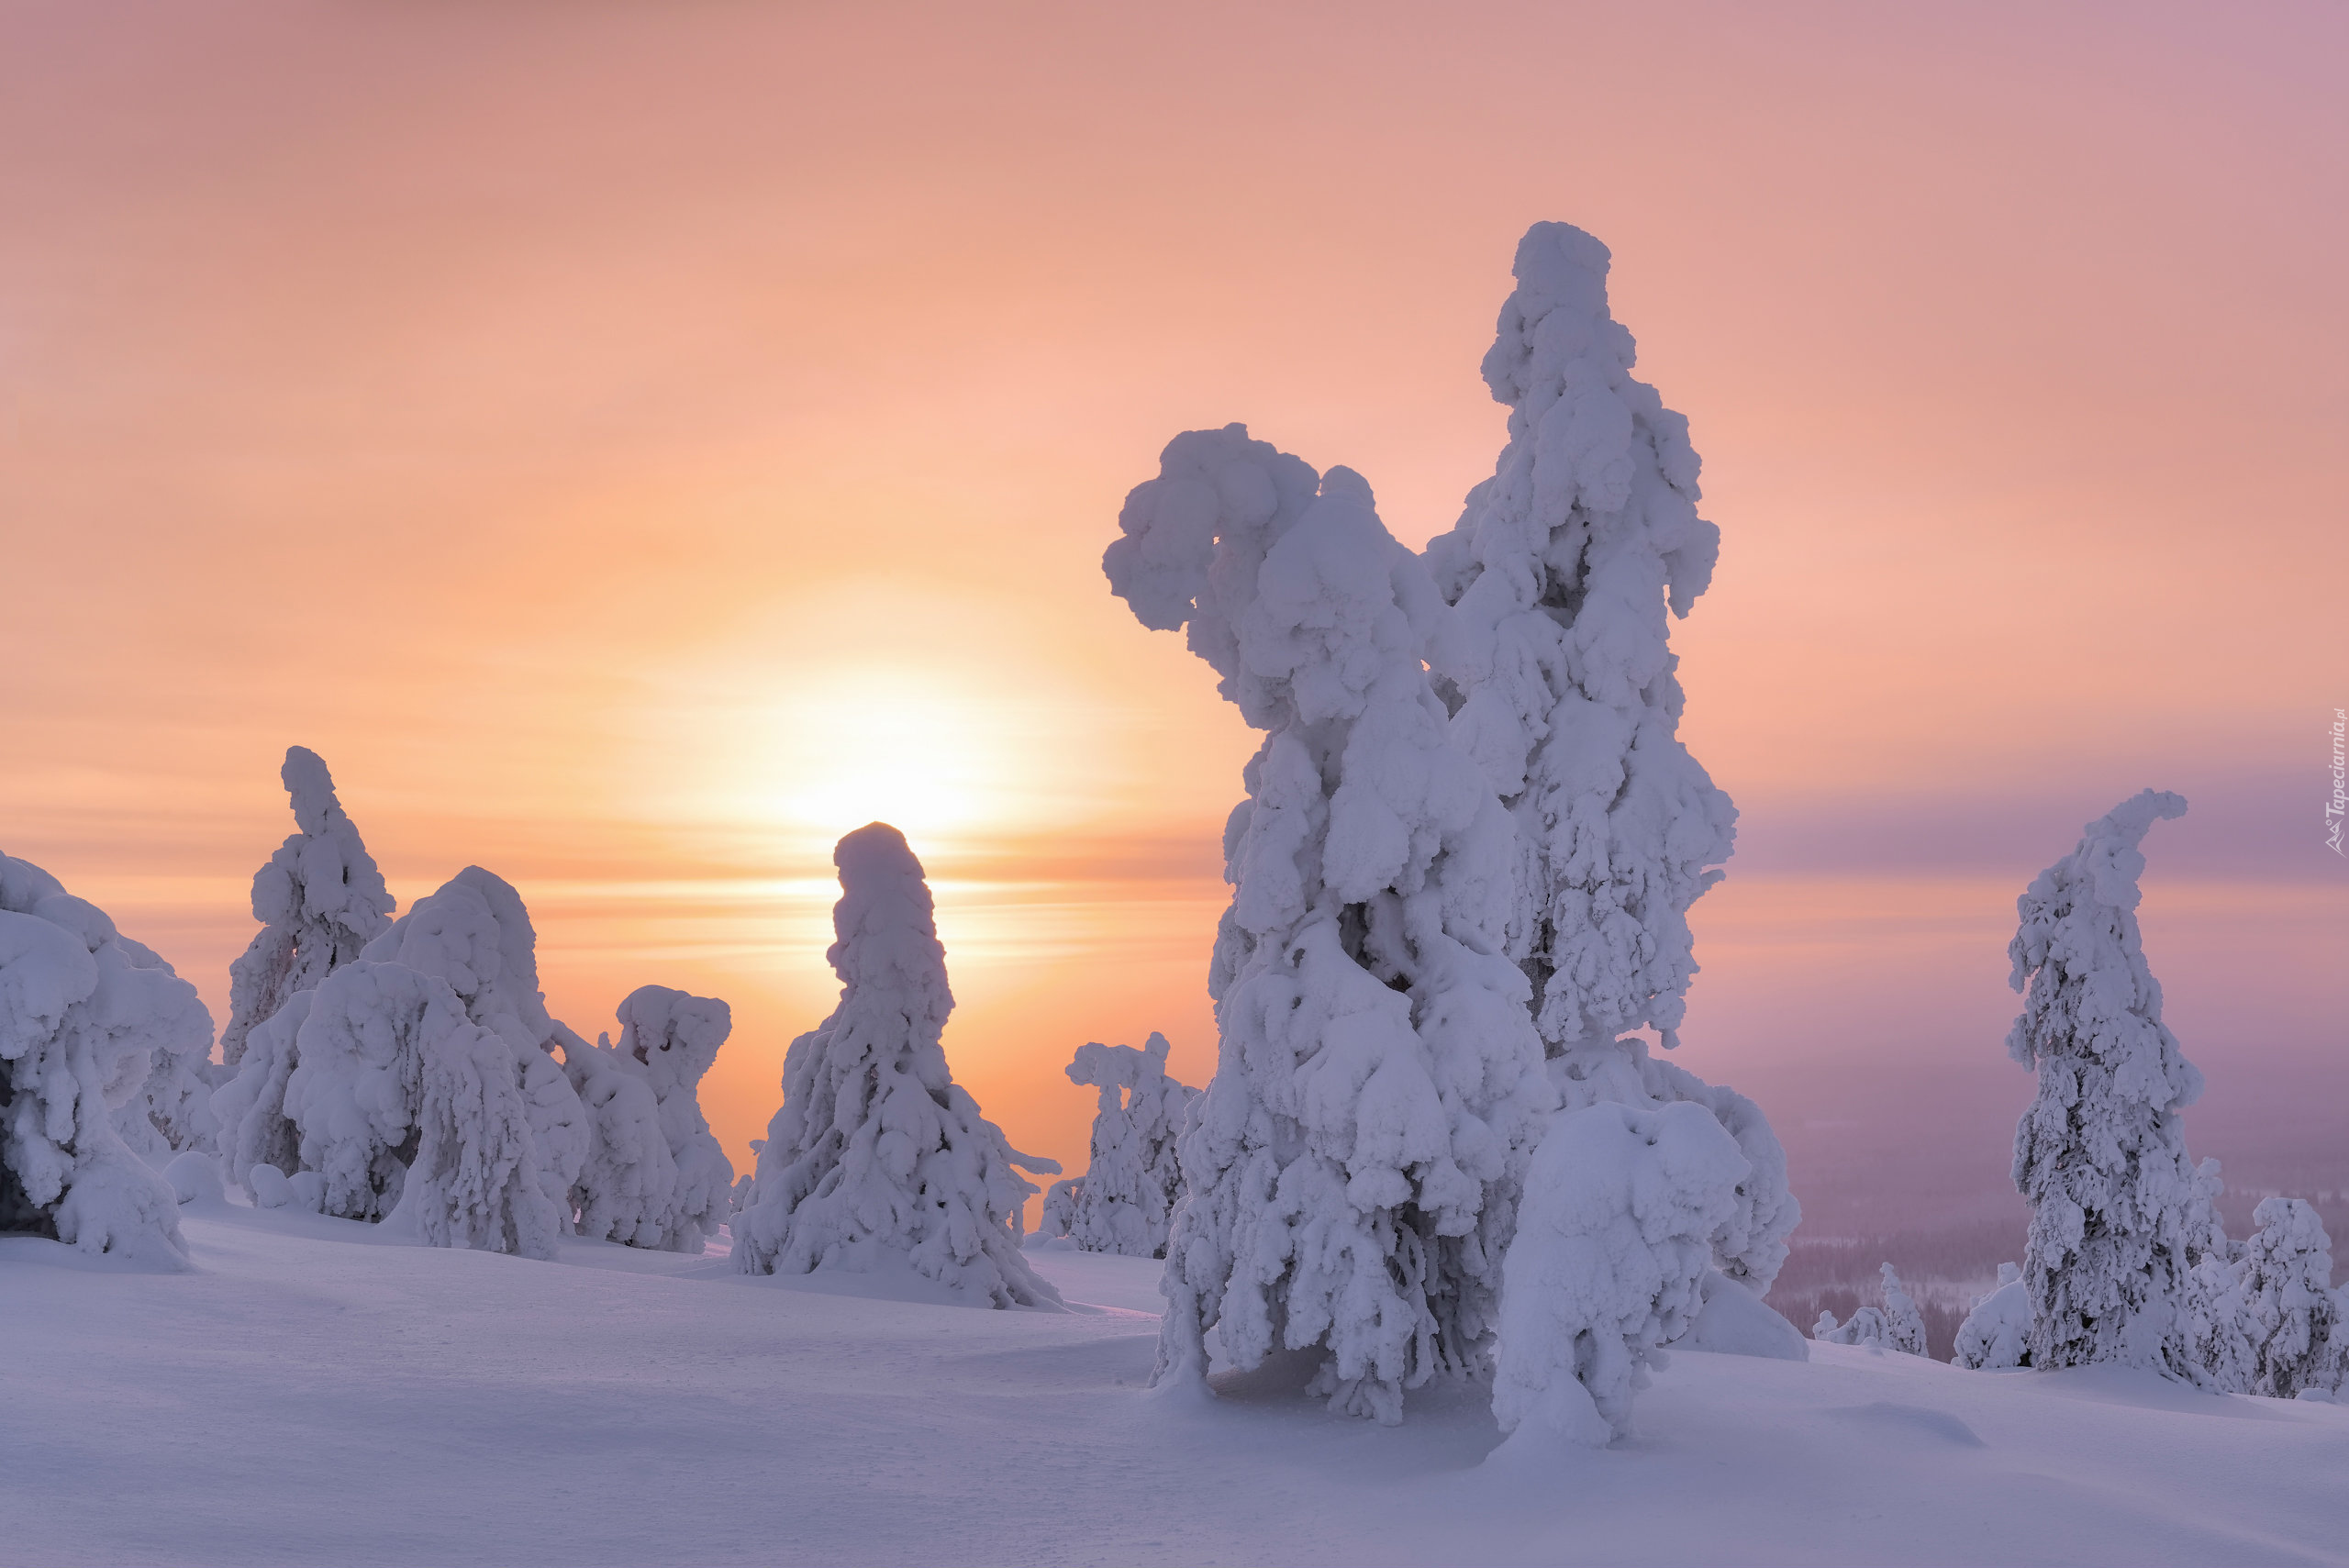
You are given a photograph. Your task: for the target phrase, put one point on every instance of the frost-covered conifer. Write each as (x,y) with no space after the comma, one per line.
(654,1175)
(319,899)
(1564,571)
(1866,1326)
(1612,1247)
(1126,1194)
(2098,1156)
(1353,1172)
(2287,1310)
(1997,1333)
(878,1157)
(475,934)
(1904,1326)
(1897,1324)
(85,1016)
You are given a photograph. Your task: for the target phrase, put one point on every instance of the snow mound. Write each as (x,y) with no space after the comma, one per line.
(1612,1248)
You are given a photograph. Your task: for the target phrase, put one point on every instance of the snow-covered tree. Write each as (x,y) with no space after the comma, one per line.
(2099,1156)
(477,1179)
(878,1157)
(2286,1307)
(1997,1334)
(627,1185)
(474,933)
(1866,1326)
(1353,1172)
(1565,572)
(1613,1244)
(1904,1326)
(1895,1325)
(319,899)
(1563,568)
(85,1016)
(1126,1194)
(654,1175)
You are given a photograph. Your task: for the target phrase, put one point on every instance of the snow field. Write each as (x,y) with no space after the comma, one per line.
(314,1392)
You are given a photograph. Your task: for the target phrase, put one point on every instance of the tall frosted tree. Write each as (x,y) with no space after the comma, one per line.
(2116,1206)
(1353,1172)
(319,899)
(1563,573)
(878,1159)
(1126,1195)
(87,1014)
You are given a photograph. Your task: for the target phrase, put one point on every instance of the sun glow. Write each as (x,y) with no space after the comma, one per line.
(883,745)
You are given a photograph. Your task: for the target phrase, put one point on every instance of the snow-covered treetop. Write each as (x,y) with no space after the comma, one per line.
(320,899)
(2078,956)
(475,934)
(1305,631)
(1563,573)
(886,928)
(1118,1066)
(672,1034)
(324,872)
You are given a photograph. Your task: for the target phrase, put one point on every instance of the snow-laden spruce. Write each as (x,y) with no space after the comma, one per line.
(1894,1325)
(878,1160)
(1904,1326)
(654,1175)
(1351,1172)
(320,900)
(2116,1220)
(1997,1333)
(1565,572)
(2267,1323)
(474,933)
(1125,1197)
(1613,1244)
(89,1019)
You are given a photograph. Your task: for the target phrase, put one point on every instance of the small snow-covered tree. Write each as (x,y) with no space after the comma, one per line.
(1904,1326)
(878,1155)
(627,1184)
(655,1175)
(85,1016)
(474,933)
(319,899)
(1353,1172)
(1895,1325)
(2099,1156)
(1612,1247)
(2287,1310)
(674,1037)
(1126,1194)
(1997,1333)
(1565,572)
(1866,1326)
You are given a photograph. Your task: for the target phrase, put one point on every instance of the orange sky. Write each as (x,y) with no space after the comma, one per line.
(634,444)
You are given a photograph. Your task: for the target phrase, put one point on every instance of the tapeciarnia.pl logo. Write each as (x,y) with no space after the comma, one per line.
(2335,807)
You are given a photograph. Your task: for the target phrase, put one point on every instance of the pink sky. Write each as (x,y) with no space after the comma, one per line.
(635,444)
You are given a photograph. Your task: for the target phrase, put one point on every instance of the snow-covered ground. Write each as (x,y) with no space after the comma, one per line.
(314,1393)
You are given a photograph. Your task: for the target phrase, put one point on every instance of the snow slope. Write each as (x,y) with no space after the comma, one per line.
(313,1393)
